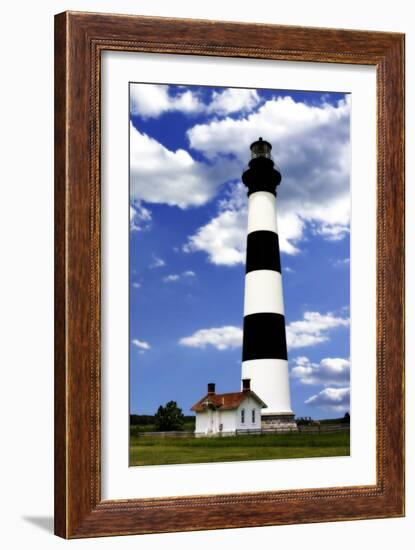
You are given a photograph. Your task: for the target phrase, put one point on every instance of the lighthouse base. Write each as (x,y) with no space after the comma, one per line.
(283,422)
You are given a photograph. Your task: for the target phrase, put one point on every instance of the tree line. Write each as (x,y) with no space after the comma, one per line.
(167,418)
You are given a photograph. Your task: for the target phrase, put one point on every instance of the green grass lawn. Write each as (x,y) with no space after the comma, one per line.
(145,451)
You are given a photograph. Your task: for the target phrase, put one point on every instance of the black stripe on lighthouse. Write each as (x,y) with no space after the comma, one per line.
(264,337)
(263,251)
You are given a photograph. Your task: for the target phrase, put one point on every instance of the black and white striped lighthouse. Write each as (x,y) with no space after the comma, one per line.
(264,350)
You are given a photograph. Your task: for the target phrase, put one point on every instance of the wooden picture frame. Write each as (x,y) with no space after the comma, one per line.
(79,40)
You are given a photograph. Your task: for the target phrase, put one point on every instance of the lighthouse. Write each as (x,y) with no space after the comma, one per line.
(264,350)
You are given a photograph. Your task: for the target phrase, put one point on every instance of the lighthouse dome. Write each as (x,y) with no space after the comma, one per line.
(261,148)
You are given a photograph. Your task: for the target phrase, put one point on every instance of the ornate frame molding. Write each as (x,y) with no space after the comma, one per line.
(79,40)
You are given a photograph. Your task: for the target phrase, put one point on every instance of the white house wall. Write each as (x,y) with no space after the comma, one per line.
(201,422)
(248,404)
(228,421)
(210,420)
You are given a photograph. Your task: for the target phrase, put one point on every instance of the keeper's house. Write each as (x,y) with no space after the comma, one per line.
(228,413)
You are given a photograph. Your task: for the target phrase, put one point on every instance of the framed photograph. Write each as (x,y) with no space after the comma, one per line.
(229,276)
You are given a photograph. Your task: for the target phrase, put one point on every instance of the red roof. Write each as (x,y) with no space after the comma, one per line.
(225,401)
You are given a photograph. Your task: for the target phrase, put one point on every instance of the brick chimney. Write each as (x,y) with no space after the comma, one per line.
(246,384)
(211,388)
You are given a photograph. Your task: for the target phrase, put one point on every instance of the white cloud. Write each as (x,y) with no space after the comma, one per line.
(161,176)
(171,278)
(223,238)
(342,263)
(288,269)
(141,345)
(312,329)
(221,338)
(177,276)
(136,285)
(152,100)
(232,100)
(157,262)
(331,399)
(330,371)
(312,151)
(140,217)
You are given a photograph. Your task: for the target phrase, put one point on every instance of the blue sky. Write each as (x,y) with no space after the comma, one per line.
(188,147)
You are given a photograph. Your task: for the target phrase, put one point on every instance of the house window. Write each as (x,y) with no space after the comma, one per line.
(243,416)
(253,416)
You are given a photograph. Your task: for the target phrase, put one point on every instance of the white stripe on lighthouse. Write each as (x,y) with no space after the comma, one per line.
(263,292)
(261,212)
(269,380)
